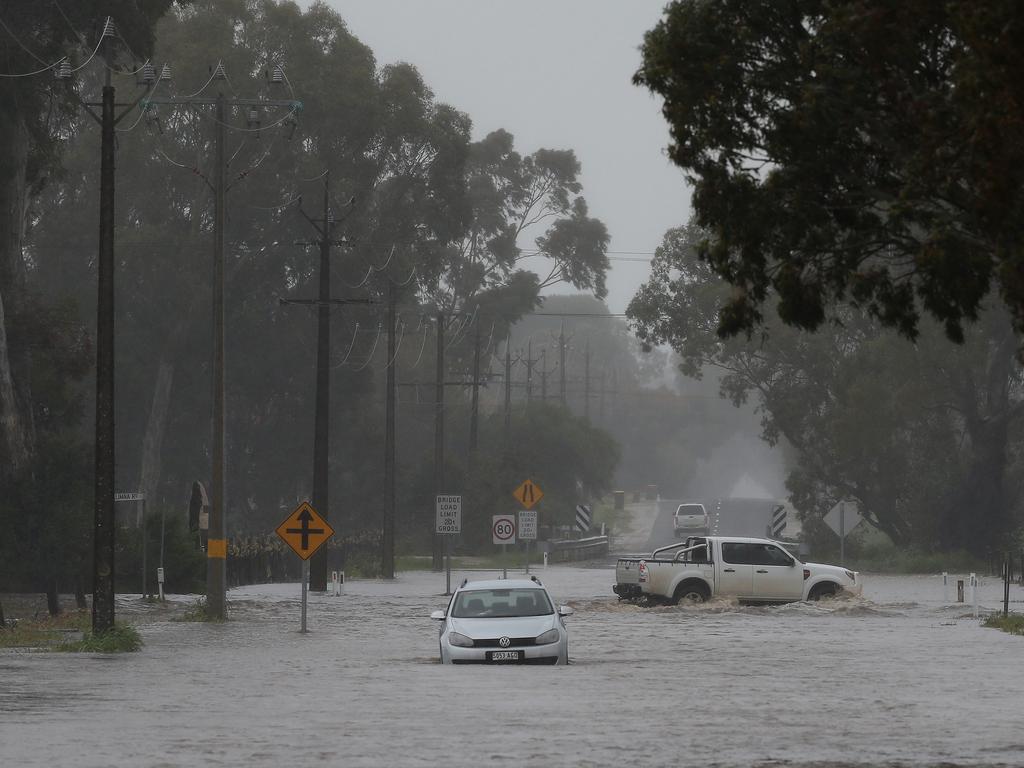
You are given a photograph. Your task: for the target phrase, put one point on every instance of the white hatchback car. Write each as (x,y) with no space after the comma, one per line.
(505,621)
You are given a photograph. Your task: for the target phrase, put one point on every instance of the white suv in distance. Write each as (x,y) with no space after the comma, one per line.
(690,519)
(505,621)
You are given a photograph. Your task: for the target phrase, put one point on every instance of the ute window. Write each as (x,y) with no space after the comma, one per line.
(501,603)
(769,554)
(737,553)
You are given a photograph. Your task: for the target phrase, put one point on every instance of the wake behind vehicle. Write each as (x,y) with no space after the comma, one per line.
(503,621)
(749,569)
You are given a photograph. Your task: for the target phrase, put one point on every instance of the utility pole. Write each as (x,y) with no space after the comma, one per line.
(586,381)
(437,560)
(388,528)
(601,401)
(104,519)
(216,545)
(322,419)
(474,414)
(561,363)
(104,523)
(508,390)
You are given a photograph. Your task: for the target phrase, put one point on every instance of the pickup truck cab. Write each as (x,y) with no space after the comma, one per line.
(689,519)
(747,569)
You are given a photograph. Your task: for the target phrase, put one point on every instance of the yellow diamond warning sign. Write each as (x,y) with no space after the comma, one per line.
(528,494)
(304,530)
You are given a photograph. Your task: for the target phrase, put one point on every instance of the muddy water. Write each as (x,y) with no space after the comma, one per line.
(897,677)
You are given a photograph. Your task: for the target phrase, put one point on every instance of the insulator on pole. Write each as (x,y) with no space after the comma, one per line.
(253,118)
(277,75)
(165,72)
(63,70)
(219,73)
(109,30)
(147,75)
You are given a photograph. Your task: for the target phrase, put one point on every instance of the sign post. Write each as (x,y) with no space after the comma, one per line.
(529,495)
(448,522)
(843,518)
(503,531)
(527,530)
(305,532)
(138,497)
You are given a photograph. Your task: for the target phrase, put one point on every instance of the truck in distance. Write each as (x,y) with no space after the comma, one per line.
(690,518)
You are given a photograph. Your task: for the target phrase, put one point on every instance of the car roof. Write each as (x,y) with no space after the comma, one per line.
(502,584)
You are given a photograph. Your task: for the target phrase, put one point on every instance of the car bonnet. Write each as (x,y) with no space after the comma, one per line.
(513,626)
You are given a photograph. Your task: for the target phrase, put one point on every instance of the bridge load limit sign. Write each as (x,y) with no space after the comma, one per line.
(527,524)
(503,529)
(449,514)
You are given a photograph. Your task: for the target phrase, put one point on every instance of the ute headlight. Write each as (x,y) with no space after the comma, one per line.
(546,638)
(850,575)
(460,641)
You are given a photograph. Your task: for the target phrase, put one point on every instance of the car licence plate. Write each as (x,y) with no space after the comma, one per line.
(504,655)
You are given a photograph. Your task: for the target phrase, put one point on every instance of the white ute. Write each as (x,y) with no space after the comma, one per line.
(750,570)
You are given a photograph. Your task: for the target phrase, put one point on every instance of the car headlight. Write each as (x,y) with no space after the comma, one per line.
(545,638)
(850,575)
(461,641)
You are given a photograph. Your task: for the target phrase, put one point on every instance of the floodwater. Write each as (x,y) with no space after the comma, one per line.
(895,678)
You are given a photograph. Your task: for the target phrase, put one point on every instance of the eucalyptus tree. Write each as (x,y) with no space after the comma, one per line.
(850,150)
(923,433)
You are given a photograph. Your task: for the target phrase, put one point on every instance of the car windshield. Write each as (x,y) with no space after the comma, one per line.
(501,603)
(690,509)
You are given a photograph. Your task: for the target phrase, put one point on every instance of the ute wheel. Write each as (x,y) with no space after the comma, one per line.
(691,592)
(825,589)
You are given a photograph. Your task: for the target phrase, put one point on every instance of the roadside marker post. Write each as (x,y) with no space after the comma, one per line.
(305,532)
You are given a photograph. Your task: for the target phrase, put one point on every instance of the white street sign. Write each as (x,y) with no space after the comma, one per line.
(850,514)
(449,514)
(527,525)
(129,497)
(503,529)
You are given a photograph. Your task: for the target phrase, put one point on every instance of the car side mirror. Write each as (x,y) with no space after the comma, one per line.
(565,610)
(437,615)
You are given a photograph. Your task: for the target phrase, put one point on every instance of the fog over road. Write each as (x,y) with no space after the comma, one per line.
(894,678)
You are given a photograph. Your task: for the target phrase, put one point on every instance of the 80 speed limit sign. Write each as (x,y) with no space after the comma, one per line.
(503,529)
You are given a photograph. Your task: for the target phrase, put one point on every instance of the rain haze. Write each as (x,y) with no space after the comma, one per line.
(402,415)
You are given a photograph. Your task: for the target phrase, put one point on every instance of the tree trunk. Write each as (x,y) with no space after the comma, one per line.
(80,601)
(15,435)
(52,598)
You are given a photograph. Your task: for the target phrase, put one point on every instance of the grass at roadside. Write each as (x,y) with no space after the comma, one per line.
(38,633)
(1013,623)
(196,612)
(52,633)
(122,638)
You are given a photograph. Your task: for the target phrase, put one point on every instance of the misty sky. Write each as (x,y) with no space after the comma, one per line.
(555,73)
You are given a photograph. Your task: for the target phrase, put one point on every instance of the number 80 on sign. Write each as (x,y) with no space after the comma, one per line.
(503,529)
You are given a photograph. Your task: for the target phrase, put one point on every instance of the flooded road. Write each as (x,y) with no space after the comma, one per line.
(894,678)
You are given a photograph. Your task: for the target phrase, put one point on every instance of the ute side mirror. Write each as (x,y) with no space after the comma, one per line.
(565,610)
(437,615)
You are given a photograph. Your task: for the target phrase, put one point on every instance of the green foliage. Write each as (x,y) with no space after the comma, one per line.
(857,150)
(184,561)
(1012,623)
(121,638)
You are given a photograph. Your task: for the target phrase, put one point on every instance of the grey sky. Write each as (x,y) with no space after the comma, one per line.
(555,73)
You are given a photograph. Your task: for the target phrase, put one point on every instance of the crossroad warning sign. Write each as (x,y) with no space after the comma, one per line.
(304,530)
(528,494)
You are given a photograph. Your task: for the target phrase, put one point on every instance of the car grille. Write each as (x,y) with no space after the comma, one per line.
(514,642)
(540,661)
